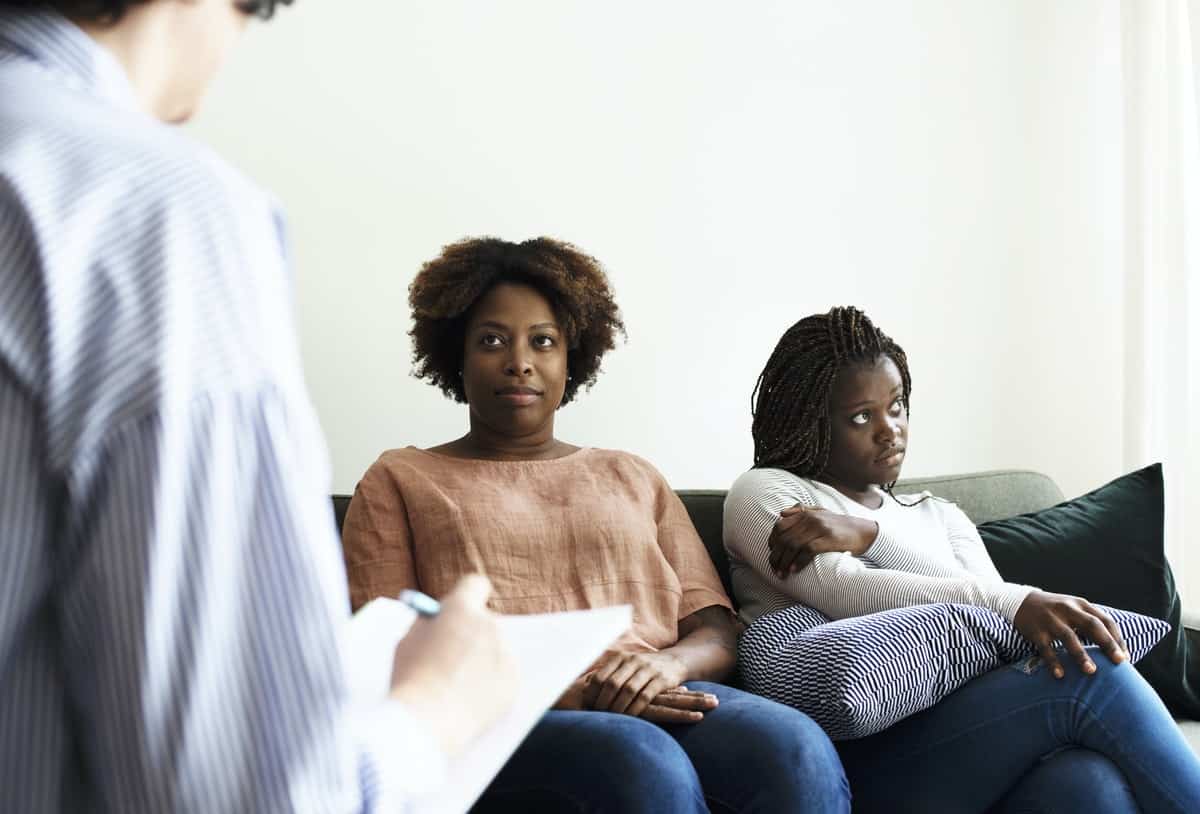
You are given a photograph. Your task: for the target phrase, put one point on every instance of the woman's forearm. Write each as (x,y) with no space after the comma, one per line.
(707,644)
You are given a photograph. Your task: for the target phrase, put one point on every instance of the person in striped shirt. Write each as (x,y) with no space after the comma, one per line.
(171,581)
(816,522)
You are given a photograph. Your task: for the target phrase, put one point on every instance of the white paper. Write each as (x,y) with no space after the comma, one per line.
(551,650)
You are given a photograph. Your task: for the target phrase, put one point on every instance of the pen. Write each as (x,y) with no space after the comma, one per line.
(423,604)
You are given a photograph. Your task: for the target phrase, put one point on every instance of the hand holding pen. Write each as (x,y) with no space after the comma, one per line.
(452,669)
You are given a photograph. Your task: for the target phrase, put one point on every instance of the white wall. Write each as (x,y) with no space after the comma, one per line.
(951,167)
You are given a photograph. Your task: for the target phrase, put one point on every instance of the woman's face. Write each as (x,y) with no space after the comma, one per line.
(868,426)
(515,361)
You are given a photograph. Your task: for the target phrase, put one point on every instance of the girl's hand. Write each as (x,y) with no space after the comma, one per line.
(802,533)
(1045,617)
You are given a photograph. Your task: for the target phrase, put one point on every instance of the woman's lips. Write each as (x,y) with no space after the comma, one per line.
(518,398)
(891,459)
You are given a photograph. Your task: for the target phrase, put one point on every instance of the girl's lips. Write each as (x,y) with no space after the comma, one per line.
(892,459)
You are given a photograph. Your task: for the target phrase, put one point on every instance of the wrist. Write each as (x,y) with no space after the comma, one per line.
(445,721)
(673,668)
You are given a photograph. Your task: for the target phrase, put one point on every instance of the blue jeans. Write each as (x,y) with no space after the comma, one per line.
(1016,740)
(749,754)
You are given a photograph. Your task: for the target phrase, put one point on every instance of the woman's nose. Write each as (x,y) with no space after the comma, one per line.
(518,364)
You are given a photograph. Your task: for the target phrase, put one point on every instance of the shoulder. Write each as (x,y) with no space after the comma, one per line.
(767,485)
(618,462)
(397,464)
(74,152)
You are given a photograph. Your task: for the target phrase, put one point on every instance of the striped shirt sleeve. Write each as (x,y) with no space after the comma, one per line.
(201,609)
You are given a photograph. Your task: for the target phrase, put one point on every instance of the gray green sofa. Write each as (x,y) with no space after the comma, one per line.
(983,496)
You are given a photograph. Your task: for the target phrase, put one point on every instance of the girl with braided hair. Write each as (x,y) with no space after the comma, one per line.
(815,523)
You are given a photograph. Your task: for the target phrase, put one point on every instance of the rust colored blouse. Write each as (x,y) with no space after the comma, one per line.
(588,530)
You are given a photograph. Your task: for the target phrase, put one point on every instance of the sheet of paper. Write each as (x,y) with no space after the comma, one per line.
(551,649)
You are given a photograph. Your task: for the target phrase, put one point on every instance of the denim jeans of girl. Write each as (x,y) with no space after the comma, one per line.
(1016,739)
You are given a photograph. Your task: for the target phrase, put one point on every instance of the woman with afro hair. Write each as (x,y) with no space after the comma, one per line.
(514,331)
(815,522)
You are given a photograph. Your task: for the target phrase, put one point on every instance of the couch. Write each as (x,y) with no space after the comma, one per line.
(983,496)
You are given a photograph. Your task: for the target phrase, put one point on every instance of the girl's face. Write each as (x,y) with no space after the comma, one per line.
(514,361)
(868,426)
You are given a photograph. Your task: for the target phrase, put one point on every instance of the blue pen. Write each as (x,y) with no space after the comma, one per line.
(423,604)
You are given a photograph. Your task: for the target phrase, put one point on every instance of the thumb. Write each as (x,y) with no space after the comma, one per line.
(472,591)
(790,510)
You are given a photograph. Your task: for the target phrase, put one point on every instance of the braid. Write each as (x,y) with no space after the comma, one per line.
(790,402)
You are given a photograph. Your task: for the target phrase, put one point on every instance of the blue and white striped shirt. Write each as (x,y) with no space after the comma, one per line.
(171,586)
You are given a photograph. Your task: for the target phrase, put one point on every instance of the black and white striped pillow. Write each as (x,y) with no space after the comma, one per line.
(858,676)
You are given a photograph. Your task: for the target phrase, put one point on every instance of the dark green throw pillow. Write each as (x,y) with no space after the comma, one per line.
(1107,547)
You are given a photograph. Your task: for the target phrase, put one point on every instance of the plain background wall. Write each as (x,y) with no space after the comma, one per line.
(951,167)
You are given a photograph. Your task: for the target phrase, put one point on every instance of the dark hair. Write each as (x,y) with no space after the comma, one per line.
(111,11)
(790,404)
(447,287)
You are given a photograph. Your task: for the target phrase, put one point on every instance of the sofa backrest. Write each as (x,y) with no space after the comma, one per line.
(983,496)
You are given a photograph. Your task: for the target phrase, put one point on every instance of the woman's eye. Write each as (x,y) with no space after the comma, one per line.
(491,341)
(543,341)
(898,407)
(861,418)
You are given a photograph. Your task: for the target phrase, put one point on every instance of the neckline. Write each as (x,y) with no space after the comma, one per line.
(883,497)
(443,457)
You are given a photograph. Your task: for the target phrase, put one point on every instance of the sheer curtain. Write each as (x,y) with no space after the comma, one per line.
(1160,41)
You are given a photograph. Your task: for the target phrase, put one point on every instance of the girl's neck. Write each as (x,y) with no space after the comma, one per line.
(868,496)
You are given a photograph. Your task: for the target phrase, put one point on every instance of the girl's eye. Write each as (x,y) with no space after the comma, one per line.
(898,407)
(543,341)
(491,341)
(861,418)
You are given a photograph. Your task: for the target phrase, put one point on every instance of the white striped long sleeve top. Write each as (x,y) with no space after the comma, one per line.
(171,585)
(924,553)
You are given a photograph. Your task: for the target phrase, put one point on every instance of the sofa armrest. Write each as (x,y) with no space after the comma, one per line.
(1191,617)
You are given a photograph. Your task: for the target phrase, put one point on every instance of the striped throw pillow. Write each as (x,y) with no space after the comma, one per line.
(858,676)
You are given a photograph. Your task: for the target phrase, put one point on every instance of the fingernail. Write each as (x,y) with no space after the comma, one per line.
(1089,667)
(1058,673)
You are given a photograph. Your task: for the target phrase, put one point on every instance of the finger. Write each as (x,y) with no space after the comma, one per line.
(790,521)
(700,701)
(599,675)
(1075,647)
(1092,626)
(668,715)
(788,556)
(651,690)
(773,551)
(613,684)
(791,510)
(1050,656)
(1122,652)
(471,591)
(633,690)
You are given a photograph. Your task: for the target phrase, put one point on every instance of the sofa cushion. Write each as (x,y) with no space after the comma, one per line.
(1107,546)
(860,675)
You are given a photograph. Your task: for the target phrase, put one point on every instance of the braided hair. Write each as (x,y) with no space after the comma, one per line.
(790,403)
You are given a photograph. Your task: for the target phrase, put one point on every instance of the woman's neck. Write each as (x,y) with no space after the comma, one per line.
(486,445)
